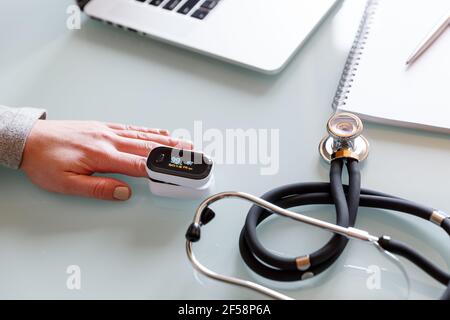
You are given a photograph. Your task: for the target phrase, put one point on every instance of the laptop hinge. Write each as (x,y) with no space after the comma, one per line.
(82,3)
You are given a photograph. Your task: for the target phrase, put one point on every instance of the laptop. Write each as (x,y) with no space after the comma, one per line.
(259,34)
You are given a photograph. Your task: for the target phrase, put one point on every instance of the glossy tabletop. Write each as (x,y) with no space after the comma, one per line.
(136,250)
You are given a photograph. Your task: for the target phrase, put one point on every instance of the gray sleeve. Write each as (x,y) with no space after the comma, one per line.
(15,125)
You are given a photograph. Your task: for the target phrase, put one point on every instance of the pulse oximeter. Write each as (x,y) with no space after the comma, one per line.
(178,173)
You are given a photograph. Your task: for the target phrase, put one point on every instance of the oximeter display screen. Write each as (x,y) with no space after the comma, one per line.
(182,163)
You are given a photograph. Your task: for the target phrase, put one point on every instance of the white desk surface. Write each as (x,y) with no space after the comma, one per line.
(135,250)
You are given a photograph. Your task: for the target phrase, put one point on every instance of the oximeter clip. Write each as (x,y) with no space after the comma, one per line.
(178,173)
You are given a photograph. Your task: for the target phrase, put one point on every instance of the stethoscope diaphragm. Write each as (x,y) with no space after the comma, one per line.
(344,139)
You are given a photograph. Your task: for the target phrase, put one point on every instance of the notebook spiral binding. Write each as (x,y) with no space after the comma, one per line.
(352,63)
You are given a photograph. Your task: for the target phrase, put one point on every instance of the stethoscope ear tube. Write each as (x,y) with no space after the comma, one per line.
(231,280)
(368,198)
(281,268)
(344,146)
(412,255)
(205,215)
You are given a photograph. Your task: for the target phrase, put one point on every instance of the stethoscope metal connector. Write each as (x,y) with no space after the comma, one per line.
(344,146)
(344,139)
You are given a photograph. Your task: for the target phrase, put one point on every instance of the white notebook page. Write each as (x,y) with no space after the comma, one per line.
(384,89)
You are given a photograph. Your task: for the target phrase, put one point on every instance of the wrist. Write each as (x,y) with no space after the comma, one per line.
(15,129)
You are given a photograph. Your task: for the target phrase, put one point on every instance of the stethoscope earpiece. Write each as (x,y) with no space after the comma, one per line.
(194,231)
(343,147)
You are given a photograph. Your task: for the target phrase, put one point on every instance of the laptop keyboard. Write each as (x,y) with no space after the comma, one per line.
(197,9)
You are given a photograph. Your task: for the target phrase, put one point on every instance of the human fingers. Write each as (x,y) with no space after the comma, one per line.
(122,163)
(124,127)
(141,138)
(102,188)
(136,147)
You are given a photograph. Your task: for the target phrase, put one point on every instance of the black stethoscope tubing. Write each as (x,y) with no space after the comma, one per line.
(346,199)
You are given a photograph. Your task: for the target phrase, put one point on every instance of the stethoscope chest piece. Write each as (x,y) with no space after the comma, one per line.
(344,146)
(344,139)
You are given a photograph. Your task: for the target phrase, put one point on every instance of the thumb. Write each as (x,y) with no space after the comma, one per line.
(98,187)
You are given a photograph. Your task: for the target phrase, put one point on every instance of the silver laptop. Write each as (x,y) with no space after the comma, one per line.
(259,34)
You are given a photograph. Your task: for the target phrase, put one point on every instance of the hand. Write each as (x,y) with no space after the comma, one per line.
(62,156)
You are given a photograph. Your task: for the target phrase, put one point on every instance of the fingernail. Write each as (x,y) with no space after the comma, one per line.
(121,193)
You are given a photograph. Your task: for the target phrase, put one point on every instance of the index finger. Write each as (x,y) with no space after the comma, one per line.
(124,163)
(126,127)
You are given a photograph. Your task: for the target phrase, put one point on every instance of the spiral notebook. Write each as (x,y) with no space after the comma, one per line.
(377,85)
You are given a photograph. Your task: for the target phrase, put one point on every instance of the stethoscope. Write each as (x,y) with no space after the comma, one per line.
(343,146)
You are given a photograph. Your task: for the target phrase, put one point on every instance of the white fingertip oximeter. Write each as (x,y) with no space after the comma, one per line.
(178,173)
